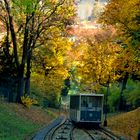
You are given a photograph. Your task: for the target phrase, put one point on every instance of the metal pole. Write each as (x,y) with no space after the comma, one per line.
(105,121)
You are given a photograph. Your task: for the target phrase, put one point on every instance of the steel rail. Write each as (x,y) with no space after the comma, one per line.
(90,134)
(71,133)
(109,134)
(52,132)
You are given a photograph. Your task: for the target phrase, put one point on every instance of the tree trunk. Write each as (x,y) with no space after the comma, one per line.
(12,31)
(106,104)
(20,91)
(10,99)
(22,66)
(28,74)
(27,84)
(121,101)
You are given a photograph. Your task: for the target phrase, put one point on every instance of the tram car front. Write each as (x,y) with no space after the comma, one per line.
(86,108)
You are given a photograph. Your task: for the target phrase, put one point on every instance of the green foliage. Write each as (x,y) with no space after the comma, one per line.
(113,98)
(24,6)
(46,90)
(66,88)
(38,87)
(132,94)
(74,81)
(52,99)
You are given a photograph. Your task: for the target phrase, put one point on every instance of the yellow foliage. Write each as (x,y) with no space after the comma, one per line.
(27,101)
(128,61)
(124,16)
(96,62)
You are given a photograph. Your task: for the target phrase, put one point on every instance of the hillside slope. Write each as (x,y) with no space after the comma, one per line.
(18,122)
(127,124)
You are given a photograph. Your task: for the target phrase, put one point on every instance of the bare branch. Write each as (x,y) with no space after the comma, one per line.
(12,30)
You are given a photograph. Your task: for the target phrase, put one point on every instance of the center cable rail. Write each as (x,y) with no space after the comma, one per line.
(64,130)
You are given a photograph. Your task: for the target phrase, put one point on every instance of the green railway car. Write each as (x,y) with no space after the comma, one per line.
(86,108)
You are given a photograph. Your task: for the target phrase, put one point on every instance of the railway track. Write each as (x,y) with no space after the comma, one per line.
(62,132)
(108,133)
(101,134)
(66,131)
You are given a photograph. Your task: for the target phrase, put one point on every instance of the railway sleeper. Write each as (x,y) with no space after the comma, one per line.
(66,127)
(61,137)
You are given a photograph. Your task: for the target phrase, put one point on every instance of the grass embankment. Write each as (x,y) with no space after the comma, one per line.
(18,122)
(126,124)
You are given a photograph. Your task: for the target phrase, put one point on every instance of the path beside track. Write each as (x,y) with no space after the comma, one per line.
(40,135)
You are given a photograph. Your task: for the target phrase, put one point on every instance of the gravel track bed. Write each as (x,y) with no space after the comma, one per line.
(62,129)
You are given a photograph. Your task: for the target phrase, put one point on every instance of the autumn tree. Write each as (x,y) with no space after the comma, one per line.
(96,53)
(52,60)
(27,25)
(127,23)
(124,16)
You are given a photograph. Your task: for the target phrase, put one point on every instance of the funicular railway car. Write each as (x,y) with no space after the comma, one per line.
(86,108)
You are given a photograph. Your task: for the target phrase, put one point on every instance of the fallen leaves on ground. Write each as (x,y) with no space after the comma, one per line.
(126,124)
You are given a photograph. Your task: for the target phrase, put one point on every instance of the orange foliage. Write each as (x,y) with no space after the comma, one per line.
(127,124)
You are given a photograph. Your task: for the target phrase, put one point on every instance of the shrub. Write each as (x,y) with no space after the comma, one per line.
(27,101)
(112,98)
(132,94)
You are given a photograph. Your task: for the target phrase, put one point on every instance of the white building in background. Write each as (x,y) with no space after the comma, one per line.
(85,8)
